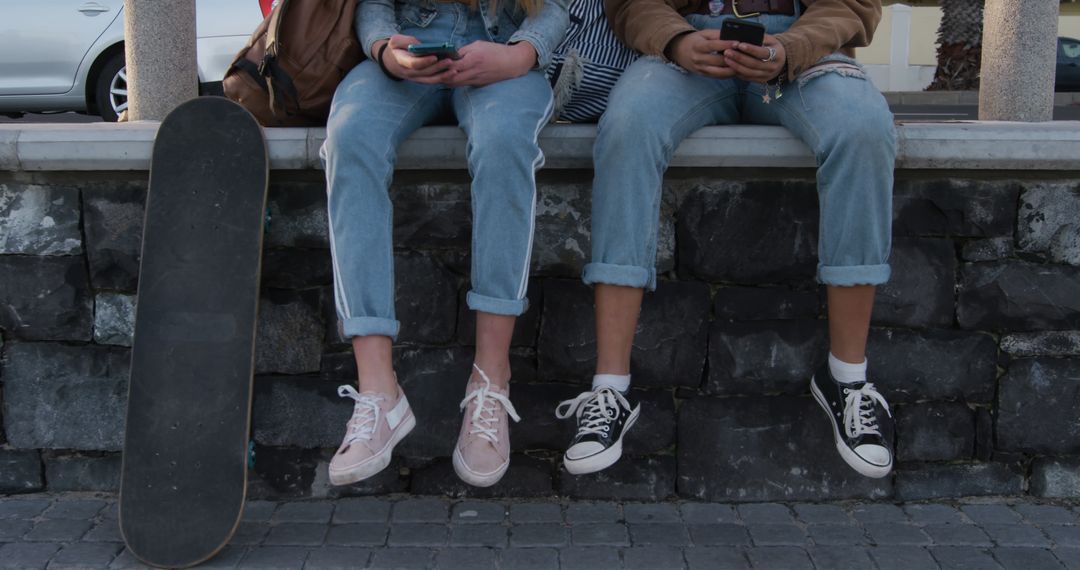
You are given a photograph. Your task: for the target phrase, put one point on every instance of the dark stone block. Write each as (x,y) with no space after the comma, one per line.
(432,216)
(296,268)
(935,481)
(113,222)
(20,471)
(714,223)
(765,304)
(990,249)
(45,298)
(650,478)
(298,216)
(526,327)
(920,292)
(426,302)
(114,319)
(984,434)
(1038,403)
(1044,208)
(539,428)
(434,380)
(526,477)
(765,356)
(1065,245)
(1042,343)
(80,473)
(669,348)
(289,332)
(426,299)
(934,431)
(933,365)
(1057,478)
(65,397)
(1016,295)
(285,472)
(563,229)
(954,207)
(764,449)
(298,411)
(39,220)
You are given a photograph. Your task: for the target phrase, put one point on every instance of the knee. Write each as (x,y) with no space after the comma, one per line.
(871,137)
(624,130)
(503,146)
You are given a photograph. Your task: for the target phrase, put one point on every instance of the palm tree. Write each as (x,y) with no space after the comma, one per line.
(959,46)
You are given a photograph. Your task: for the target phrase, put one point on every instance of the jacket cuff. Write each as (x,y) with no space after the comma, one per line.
(797,51)
(659,40)
(543,53)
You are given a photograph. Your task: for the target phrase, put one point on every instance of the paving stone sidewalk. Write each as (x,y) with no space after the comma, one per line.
(80,531)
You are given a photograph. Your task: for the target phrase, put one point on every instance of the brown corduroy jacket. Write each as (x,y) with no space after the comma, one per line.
(825,27)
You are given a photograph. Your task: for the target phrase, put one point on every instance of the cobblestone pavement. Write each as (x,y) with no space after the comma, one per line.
(80,531)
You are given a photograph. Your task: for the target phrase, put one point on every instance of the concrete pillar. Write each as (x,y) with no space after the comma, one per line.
(159,46)
(1019,52)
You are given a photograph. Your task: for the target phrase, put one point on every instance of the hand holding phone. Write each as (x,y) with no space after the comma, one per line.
(441,50)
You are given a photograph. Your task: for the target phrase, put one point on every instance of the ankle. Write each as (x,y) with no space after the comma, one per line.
(498,373)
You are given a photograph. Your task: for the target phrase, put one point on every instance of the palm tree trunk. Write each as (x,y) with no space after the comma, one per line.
(959,46)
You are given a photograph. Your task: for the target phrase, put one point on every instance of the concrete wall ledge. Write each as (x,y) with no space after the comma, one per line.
(946,145)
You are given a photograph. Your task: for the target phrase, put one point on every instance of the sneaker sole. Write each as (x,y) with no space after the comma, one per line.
(377,463)
(476,479)
(850,457)
(604,459)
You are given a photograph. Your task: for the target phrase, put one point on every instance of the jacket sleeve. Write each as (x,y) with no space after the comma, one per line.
(825,27)
(544,30)
(375,20)
(646,25)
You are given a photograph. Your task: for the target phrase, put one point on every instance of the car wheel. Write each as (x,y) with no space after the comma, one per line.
(111,90)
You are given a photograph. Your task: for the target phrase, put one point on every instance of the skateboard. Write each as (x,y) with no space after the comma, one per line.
(185,458)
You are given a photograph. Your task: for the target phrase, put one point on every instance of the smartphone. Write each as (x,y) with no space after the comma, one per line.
(441,50)
(742,31)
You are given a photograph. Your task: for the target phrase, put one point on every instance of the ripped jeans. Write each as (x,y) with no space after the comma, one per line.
(832,107)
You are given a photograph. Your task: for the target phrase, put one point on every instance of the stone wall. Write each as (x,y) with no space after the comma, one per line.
(976,340)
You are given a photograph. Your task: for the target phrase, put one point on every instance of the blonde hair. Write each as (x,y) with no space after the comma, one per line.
(531,7)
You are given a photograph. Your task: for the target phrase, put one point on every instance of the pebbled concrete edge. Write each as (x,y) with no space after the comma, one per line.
(969,145)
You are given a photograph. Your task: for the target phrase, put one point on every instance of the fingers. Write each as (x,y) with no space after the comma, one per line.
(400,41)
(757,52)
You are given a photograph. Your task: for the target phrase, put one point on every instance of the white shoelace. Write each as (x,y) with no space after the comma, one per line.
(484,417)
(365,416)
(598,409)
(859,415)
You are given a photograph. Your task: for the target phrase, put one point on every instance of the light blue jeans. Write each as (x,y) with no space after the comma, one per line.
(833,108)
(371,115)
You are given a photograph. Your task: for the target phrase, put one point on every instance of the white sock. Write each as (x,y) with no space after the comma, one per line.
(616,381)
(847,373)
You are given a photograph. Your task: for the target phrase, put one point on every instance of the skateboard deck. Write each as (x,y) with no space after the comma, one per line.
(184,471)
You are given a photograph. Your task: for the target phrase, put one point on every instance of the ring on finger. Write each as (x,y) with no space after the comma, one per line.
(772,55)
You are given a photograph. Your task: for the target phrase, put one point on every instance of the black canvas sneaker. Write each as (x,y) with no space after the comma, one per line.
(861,421)
(603,418)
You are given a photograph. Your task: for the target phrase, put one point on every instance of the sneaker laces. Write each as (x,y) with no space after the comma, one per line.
(365,413)
(595,410)
(484,418)
(859,416)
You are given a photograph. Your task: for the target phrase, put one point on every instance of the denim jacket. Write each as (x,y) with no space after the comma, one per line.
(378,20)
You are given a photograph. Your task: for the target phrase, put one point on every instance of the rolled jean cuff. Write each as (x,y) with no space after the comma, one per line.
(852,275)
(496,306)
(623,275)
(370,326)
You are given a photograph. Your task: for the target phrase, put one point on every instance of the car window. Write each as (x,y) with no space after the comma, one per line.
(1070,50)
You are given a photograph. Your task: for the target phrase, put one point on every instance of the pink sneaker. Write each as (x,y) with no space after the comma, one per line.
(482,454)
(375,428)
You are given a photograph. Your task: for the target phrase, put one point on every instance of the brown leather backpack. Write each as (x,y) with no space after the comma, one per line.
(287,73)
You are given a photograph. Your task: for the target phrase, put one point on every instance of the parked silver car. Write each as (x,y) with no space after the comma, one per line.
(68,55)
